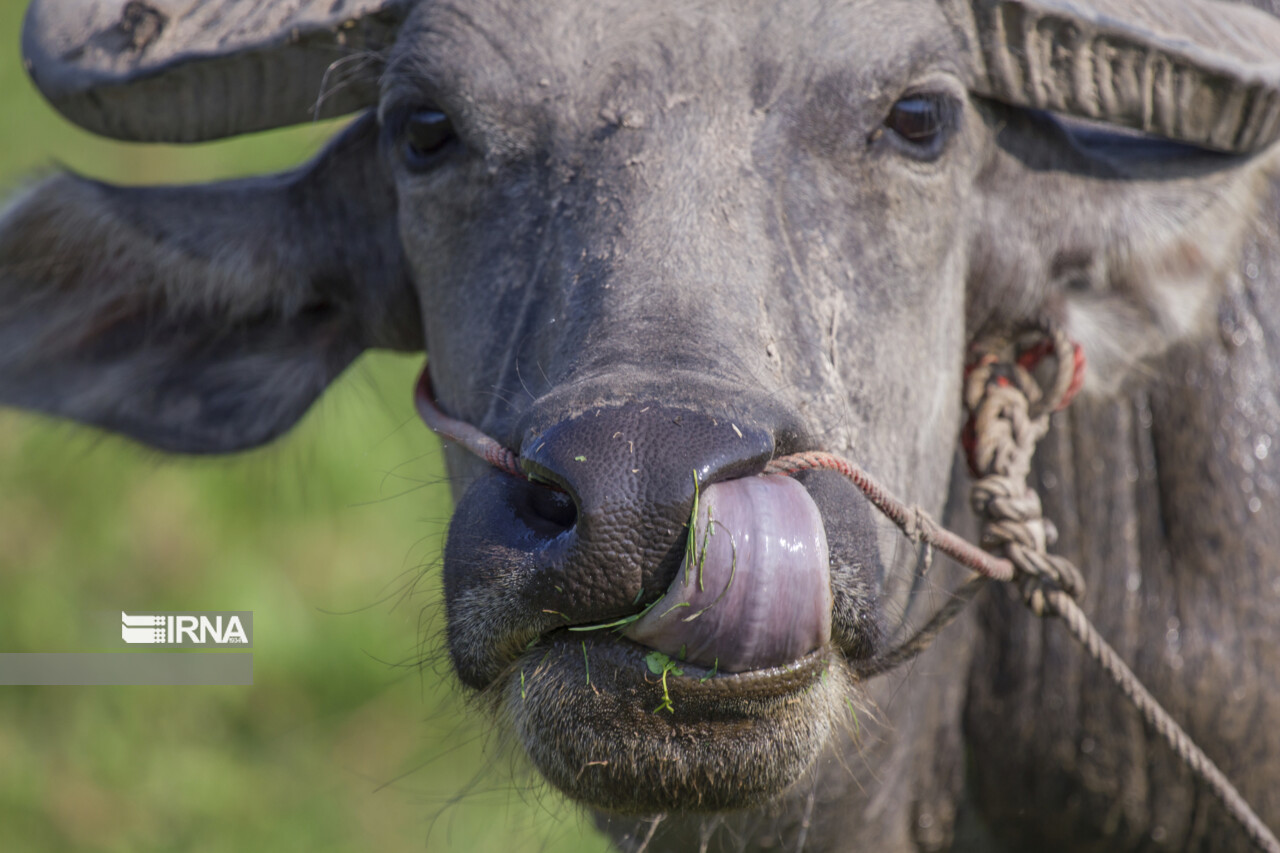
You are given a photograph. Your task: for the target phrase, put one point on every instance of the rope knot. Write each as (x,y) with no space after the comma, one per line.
(1009,412)
(1040,572)
(919,526)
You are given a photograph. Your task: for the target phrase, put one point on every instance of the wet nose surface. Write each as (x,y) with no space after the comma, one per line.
(629,472)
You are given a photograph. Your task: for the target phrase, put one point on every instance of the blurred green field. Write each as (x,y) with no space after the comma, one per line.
(331,537)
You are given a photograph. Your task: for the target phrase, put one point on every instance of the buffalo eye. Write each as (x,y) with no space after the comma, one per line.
(923,122)
(427,134)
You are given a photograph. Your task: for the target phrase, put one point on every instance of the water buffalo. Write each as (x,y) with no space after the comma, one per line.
(649,246)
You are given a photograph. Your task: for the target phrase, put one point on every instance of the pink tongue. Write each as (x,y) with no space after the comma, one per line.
(755,592)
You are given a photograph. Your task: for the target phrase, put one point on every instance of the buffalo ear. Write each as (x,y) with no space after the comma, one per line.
(1127,241)
(202,319)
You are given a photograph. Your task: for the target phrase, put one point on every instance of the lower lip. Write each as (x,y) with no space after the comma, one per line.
(613,661)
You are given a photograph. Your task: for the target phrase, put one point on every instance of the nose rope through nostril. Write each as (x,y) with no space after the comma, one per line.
(461,432)
(913,521)
(1000,393)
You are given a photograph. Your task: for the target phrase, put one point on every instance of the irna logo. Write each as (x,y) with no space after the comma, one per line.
(229,628)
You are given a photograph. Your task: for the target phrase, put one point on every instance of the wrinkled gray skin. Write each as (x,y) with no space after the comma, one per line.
(697,206)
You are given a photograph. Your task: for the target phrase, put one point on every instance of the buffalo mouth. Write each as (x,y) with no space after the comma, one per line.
(611,729)
(719,694)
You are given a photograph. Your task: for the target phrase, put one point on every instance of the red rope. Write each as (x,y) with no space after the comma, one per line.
(911,520)
(462,432)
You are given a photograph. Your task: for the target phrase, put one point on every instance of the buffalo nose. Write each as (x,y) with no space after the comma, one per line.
(601,523)
(628,475)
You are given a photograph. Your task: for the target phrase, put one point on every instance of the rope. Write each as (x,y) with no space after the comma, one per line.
(926,634)
(912,520)
(461,432)
(1009,411)
(1058,603)
(1008,415)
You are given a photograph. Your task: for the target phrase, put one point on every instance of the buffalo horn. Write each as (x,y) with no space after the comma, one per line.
(189,70)
(1199,71)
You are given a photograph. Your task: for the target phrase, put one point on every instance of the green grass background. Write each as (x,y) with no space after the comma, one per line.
(332,537)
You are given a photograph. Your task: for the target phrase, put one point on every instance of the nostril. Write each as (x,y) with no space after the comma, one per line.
(552,507)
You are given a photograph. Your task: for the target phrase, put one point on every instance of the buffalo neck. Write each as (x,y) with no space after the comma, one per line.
(1168,498)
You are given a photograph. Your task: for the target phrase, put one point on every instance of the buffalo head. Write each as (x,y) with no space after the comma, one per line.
(648,247)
